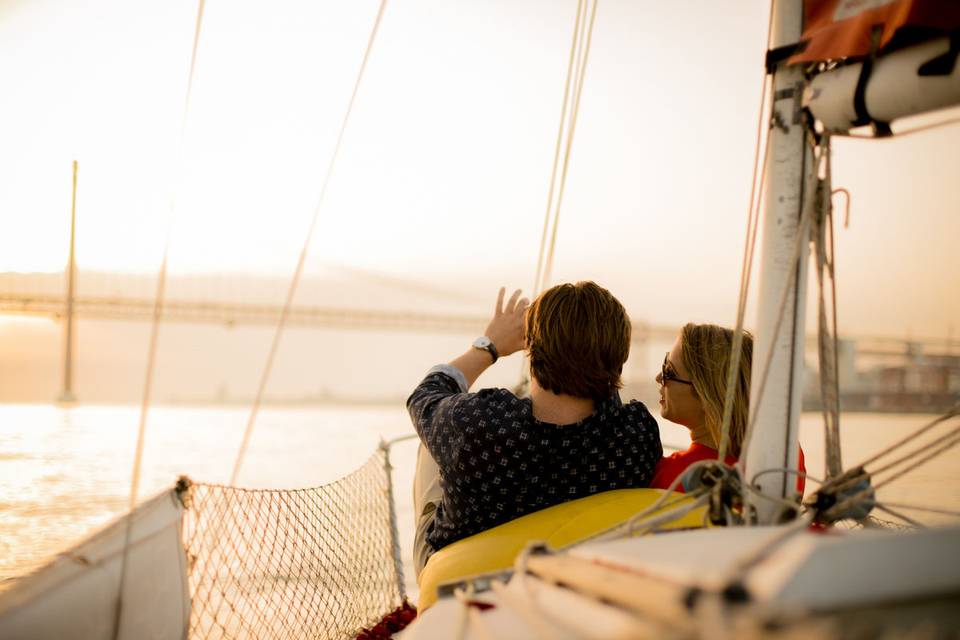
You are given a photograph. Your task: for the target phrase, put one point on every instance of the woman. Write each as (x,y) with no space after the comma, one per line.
(693,382)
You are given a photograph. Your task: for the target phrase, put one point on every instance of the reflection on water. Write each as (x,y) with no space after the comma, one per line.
(65,472)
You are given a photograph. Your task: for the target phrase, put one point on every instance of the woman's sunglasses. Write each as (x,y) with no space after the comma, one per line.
(666,375)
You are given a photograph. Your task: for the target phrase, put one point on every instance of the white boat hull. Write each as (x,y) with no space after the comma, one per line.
(76,595)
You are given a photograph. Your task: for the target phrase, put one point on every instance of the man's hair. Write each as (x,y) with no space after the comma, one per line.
(706,350)
(577,338)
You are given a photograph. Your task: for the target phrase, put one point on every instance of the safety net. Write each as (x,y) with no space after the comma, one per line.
(309,563)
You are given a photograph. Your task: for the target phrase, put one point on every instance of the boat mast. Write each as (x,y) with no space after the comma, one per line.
(907,82)
(774,440)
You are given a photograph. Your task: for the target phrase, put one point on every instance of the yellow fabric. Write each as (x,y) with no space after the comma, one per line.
(558,526)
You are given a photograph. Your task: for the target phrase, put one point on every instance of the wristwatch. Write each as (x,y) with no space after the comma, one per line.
(484,343)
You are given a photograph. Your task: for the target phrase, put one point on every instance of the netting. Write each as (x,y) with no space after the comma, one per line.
(874,523)
(309,563)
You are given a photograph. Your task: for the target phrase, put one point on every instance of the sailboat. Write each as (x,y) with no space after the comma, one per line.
(772,570)
(210,561)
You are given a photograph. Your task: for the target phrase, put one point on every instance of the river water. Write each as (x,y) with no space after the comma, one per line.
(66,471)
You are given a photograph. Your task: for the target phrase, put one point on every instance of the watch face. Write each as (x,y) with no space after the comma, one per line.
(482,342)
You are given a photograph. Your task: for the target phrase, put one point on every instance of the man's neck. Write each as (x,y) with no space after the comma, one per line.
(558,408)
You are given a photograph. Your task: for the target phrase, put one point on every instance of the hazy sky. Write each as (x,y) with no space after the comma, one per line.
(445,166)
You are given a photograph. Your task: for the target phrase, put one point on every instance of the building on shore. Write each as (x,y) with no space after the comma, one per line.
(907,380)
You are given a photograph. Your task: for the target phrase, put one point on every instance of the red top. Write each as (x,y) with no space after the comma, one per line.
(676,463)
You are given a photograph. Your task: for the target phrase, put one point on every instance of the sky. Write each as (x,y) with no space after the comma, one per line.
(444,169)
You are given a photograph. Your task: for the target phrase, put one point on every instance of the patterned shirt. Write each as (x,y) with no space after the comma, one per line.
(497,462)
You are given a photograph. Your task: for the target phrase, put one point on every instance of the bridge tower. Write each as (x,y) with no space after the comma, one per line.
(66,395)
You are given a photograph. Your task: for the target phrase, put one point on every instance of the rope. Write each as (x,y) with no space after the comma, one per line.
(753,215)
(579,56)
(900,515)
(802,238)
(827,350)
(794,472)
(793,506)
(765,547)
(576,70)
(581,75)
(529,613)
(949,445)
(858,474)
(926,447)
(953,411)
(394,529)
(154,334)
(749,250)
(265,376)
(912,507)
(556,151)
(470,616)
(389,443)
(613,532)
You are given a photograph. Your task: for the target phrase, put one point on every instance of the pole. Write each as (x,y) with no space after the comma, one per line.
(67,393)
(774,440)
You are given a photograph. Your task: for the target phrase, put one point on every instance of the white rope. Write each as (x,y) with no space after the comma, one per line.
(858,474)
(794,472)
(947,436)
(952,412)
(869,493)
(914,507)
(463,618)
(802,237)
(581,75)
(949,444)
(556,151)
(295,280)
(783,502)
(529,612)
(155,332)
(576,70)
(753,217)
(765,547)
(576,74)
(615,531)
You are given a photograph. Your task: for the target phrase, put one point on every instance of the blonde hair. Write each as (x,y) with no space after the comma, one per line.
(706,350)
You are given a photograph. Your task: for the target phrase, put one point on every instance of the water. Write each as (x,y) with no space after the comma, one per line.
(66,472)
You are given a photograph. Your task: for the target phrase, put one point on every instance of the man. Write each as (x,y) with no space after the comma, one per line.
(489,457)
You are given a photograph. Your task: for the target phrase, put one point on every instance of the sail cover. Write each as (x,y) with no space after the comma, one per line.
(838,29)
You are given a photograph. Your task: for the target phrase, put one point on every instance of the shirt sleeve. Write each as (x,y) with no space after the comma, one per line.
(433,406)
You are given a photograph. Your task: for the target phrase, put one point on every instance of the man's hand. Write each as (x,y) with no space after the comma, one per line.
(505,332)
(506,328)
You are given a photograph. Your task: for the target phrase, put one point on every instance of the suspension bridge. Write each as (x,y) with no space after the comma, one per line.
(235,301)
(211,301)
